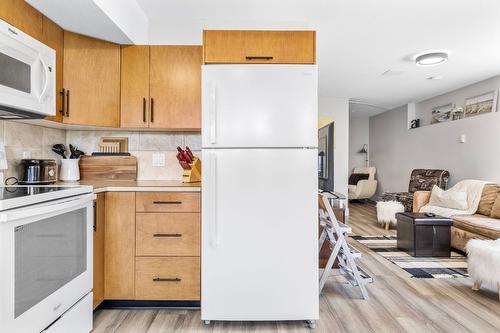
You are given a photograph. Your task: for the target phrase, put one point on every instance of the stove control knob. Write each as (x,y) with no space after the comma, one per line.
(51,173)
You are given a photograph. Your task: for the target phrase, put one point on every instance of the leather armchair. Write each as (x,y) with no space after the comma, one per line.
(420,180)
(365,188)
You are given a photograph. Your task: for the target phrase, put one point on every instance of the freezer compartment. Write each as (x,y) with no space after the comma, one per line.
(259,234)
(259,106)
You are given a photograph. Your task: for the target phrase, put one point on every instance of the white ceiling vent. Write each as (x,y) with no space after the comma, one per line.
(392,72)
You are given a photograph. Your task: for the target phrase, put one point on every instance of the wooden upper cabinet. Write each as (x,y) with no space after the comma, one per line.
(273,47)
(175,87)
(135,87)
(22,16)
(92,81)
(53,36)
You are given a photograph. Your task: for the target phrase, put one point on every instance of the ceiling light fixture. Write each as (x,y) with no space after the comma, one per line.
(431,59)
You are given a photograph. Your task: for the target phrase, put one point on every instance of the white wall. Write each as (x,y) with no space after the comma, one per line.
(337,110)
(359,129)
(423,110)
(395,150)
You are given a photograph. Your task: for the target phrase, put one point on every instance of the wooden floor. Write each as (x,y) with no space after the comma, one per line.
(397,303)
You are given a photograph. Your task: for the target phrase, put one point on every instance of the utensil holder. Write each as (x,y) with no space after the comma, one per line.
(193,175)
(70,170)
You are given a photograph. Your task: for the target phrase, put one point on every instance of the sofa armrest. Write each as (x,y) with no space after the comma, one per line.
(420,199)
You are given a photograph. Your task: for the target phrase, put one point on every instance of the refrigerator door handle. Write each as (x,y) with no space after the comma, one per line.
(214,227)
(212,109)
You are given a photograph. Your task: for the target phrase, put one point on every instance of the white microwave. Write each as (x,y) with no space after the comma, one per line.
(27,76)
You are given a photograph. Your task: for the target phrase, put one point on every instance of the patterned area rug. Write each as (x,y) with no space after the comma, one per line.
(417,267)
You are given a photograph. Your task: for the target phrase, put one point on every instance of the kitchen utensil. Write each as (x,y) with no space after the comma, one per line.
(59,149)
(190,153)
(185,165)
(75,152)
(185,155)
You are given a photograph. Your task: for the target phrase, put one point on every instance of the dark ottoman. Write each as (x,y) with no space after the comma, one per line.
(424,236)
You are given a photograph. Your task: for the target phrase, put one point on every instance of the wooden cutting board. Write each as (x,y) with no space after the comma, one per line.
(108,168)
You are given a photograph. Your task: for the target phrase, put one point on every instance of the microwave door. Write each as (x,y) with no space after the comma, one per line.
(25,76)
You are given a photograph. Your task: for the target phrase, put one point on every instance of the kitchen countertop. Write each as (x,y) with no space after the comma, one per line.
(139,185)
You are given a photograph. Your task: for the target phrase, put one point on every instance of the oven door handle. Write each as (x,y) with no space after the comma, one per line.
(48,208)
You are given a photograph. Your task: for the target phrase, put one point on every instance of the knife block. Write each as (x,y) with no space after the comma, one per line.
(193,175)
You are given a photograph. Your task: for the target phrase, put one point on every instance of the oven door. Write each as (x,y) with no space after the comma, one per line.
(27,75)
(45,260)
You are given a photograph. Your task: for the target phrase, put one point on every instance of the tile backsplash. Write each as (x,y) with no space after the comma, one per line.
(23,139)
(143,145)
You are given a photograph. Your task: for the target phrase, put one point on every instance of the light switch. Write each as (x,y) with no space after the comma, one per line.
(463,138)
(158,160)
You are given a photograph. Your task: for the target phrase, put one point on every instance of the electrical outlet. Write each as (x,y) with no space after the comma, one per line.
(158,160)
(26,154)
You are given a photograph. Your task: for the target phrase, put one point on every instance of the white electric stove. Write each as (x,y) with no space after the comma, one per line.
(46,237)
(19,196)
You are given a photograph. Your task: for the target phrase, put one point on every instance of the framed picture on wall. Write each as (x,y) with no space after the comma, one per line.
(441,114)
(481,104)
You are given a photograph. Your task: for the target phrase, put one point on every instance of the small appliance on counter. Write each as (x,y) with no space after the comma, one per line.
(38,172)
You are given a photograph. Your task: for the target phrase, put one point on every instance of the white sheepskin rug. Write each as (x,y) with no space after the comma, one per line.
(484,260)
(386,211)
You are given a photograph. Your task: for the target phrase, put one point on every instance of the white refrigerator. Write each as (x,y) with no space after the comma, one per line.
(259,193)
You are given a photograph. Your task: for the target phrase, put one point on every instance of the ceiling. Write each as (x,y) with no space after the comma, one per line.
(357,40)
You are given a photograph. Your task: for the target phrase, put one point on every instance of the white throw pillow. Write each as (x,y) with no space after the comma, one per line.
(448,199)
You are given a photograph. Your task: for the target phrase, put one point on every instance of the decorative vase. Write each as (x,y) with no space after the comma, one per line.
(70,171)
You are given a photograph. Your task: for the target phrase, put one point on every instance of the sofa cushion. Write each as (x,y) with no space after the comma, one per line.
(478,224)
(488,197)
(356,177)
(495,210)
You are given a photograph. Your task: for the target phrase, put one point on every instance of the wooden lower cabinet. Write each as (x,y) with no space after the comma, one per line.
(168,202)
(119,249)
(147,254)
(168,234)
(99,250)
(167,278)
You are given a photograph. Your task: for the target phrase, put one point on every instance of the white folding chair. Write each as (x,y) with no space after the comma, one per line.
(336,234)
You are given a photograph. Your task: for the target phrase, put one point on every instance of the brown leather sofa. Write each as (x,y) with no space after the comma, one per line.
(485,224)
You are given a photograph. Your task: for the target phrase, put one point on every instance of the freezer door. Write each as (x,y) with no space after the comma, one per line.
(259,106)
(259,234)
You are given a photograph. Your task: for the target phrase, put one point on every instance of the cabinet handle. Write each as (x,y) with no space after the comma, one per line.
(95,216)
(144,109)
(167,235)
(259,58)
(152,109)
(67,103)
(167,202)
(63,95)
(158,279)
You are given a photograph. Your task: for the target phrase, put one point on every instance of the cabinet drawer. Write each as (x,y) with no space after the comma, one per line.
(168,234)
(274,47)
(170,202)
(172,278)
